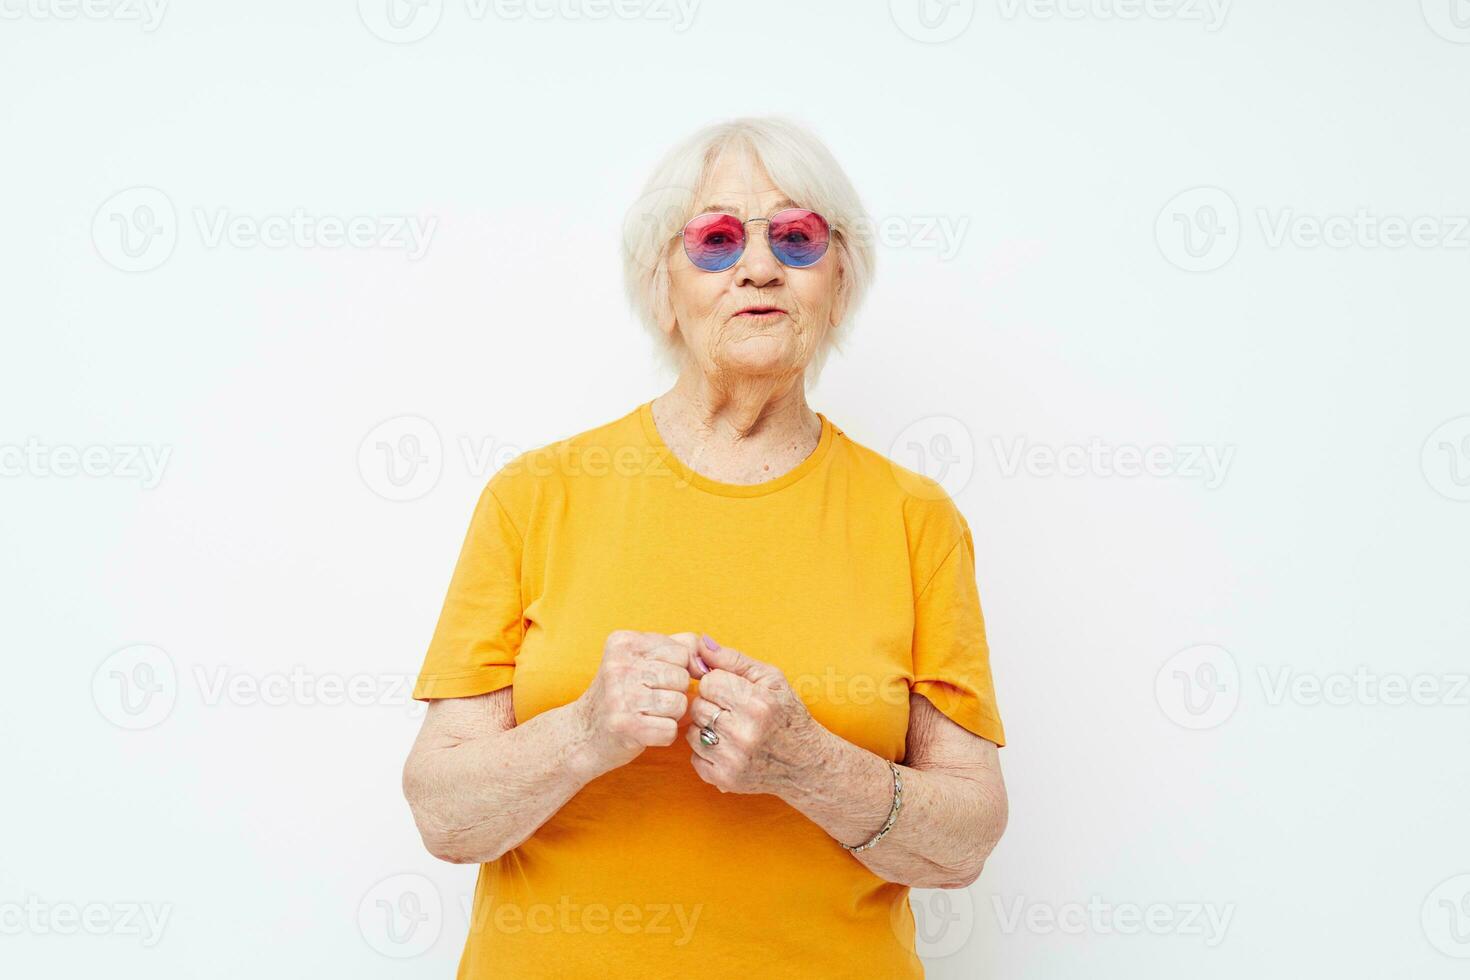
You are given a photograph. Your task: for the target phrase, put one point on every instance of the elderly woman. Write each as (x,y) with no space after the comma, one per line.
(710,691)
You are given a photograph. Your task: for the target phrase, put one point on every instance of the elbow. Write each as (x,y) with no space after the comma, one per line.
(439,840)
(992,827)
(449,846)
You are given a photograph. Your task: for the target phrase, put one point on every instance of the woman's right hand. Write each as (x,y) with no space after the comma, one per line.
(640,696)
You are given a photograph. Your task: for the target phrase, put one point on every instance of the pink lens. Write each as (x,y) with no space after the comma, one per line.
(799,237)
(714,241)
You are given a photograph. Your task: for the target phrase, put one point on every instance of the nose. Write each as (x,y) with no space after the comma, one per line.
(757,266)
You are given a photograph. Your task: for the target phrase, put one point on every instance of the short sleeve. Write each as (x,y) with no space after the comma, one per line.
(481,624)
(951,655)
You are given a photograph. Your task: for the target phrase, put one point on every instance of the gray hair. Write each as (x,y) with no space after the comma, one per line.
(800,165)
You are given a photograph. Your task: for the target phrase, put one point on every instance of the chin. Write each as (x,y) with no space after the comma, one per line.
(768,351)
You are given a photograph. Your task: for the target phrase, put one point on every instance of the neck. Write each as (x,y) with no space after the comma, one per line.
(737,429)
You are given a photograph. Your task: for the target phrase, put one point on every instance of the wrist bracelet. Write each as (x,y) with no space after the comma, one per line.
(892,814)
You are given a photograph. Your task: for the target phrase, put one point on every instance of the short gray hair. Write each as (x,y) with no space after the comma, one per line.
(800,165)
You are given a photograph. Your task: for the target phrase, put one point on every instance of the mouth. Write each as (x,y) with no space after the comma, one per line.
(758,312)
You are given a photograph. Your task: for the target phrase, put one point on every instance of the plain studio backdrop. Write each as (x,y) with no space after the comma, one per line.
(1171,298)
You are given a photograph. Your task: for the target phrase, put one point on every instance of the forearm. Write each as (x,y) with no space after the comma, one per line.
(473,799)
(947,826)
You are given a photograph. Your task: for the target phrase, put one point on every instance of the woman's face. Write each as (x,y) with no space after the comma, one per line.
(706,306)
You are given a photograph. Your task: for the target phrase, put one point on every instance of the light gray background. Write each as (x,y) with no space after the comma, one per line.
(1098,225)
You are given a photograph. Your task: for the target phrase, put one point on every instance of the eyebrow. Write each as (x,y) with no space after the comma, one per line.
(780,205)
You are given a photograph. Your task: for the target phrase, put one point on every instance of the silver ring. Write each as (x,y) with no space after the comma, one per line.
(707,734)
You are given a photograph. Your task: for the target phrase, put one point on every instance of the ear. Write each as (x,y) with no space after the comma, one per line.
(667,324)
(839,300)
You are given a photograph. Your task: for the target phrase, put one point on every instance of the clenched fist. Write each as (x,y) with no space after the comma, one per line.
(640,696)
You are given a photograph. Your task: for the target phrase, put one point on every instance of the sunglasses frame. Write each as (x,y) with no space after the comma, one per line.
(746,232)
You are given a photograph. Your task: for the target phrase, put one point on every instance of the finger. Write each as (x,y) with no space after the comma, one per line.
(668,650)
(661,675)
(719,657)
(664,704)
(702,753)
(690,641)
(659,731)
(723,687)
(702,712)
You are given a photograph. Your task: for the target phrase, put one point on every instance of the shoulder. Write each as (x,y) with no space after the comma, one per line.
(927,509)
(534,476)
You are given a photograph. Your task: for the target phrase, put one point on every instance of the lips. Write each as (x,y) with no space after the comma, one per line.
(760,311)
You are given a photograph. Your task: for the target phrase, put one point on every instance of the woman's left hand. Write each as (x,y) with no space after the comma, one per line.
(769,742)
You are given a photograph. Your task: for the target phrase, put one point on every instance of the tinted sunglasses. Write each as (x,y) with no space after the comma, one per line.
(715,241)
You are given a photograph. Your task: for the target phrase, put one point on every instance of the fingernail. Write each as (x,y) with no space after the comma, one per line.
(709,643)
(699,662)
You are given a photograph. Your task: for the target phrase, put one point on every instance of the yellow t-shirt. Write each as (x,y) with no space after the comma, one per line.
(851,574)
